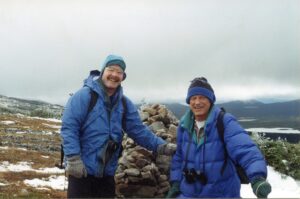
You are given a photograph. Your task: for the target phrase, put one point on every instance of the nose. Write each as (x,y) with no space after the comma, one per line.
(115,73)
(198,100)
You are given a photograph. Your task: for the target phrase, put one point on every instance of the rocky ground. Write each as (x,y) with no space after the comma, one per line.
(34,143)
(142,173)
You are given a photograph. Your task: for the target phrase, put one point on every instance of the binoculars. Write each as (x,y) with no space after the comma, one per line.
(112,147)
(192,176)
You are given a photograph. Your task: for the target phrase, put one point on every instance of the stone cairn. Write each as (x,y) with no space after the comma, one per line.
(141,173)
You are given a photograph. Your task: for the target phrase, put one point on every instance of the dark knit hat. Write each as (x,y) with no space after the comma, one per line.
(114,60)
(200,86)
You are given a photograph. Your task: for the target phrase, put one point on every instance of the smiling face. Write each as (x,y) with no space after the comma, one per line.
(112,77)
(200,106)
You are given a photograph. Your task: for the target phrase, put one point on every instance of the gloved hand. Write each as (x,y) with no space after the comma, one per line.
(166,149)
(75,167)
(261,187)
(174,190)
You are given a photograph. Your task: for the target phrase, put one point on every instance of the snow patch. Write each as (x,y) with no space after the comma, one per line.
(54,182)
(247,120)
(47,119)
(52,126)
(21,132)
(5,166)
(273,130)
(282,186)
(50,170)
(45,156)
(2,184)
(7,122)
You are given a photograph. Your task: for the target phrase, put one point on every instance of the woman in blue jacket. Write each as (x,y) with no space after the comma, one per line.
(196,170)
(92,138)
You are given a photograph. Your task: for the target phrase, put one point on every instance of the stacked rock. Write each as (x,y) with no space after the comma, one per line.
(141,173)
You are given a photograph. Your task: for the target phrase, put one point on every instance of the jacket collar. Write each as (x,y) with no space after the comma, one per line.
(96,85)
(187,120)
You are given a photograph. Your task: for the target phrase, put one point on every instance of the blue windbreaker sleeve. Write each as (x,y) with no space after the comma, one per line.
(136,130)
(242,149)
(73,117)
(177,160)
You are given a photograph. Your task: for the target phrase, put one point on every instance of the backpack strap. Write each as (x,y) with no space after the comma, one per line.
(187,151)
(95,73)
(220,127)
(93,101)
(124,114)
(123,123)
(62,155)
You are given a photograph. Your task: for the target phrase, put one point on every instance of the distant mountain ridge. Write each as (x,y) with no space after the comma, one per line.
(258,109)
(29,107)
(258,114)
(251,113)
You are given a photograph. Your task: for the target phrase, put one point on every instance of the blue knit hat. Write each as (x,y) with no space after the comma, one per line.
(114,60)
(200,86)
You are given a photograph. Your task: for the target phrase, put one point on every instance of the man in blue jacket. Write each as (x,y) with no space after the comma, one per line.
(92,138)
(196,169)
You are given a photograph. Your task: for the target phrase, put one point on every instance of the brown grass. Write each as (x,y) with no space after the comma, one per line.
(15,180)
(16,155)
(24,123)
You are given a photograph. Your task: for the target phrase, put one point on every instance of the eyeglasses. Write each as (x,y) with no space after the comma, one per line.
(113,69)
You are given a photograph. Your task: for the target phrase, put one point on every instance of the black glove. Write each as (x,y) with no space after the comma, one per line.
(75,167)
(261,187)
(174,190)
(166,149)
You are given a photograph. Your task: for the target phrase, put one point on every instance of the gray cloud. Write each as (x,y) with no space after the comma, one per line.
(48,47)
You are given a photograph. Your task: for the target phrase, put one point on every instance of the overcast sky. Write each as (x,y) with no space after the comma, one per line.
(246,49)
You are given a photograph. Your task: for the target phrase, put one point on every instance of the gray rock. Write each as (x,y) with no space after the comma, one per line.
(132,172)
(151,111)
(144,115)
(140,173)
(155,126)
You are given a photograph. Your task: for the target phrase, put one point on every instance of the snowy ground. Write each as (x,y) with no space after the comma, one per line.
(282,186)
(274,130)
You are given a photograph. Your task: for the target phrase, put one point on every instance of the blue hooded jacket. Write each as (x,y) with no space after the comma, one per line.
(87,135)
(208,157)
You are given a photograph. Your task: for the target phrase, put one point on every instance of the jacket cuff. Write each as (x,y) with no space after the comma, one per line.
(255,179)
(72,155)
(175,183)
